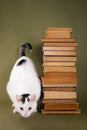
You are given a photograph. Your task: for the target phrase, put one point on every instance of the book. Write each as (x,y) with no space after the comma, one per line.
(44,101)
(59,84)
(60,40)
(55,64)
(59,69)
(59,95)
(62,106)
(60,112)
(57,34)
(59,29)
(59,53)
(48,48)
(59,88)
(54,77)
(57,44)
(59,58)
(57,75)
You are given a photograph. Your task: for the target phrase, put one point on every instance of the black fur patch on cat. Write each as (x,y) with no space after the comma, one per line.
(21,62)
(24,96)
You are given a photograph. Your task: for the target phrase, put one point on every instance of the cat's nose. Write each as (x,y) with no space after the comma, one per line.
(25,115)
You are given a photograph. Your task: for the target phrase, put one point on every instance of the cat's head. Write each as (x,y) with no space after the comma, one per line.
(26,104)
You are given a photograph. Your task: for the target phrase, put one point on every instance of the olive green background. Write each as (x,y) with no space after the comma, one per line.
(27,20)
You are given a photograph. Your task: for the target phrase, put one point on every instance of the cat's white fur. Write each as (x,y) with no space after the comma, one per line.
(24,79)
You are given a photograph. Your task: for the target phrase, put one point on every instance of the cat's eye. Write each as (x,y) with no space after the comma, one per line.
(29,108)
(21,108)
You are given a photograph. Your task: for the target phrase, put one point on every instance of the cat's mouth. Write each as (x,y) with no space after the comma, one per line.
(25,115)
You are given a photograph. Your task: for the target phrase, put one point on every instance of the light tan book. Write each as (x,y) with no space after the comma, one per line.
(59,29)
(59,95)
(58,44)
(56,40)
(59,69)
(55,64)
(47,48)
(56,78)
(59,53)
(59,58)
(62,84)
(57,34)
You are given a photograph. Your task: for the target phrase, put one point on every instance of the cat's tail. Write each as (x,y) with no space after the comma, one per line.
(23,47)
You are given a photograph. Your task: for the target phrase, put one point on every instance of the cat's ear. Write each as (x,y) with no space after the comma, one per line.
(18,98)
(32,97)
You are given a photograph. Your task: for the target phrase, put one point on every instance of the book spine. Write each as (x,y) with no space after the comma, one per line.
(61,112)
(56,85)
(55,58)
(59,75)
(55,64)
(57,34)
(60,80)
(58,101)
(47,48)
(58,44)
(61,106)
(59,95)
(56,40)
(59,88)
(59,53)
(59,29)
(59,69)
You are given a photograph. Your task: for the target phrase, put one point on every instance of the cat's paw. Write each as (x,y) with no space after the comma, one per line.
(14,110)
(13,105)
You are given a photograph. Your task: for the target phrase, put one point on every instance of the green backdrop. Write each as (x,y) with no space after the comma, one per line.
(27,20)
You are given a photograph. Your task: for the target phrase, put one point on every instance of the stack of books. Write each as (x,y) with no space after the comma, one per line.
(59,80)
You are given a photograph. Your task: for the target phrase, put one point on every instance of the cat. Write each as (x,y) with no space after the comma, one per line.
(24,86)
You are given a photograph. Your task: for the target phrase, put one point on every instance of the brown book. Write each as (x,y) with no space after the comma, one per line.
(60,40)
(59,53)
(59,29)
(59,78)
(55,64)
(56,85)
(46,101)
(48,48)
(59,95)
(59,88)
(61,112)
(59,69)
(59,58)
(57,44)
(62,106)
(57,34)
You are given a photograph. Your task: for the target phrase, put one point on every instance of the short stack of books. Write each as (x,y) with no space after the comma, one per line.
(59,80)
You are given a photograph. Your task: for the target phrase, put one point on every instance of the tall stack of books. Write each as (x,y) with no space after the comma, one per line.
(59,78)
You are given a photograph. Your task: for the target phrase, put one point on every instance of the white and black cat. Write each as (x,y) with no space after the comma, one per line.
(24,87)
